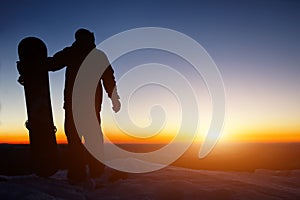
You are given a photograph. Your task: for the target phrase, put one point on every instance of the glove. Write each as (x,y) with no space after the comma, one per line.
(116,104)
(21,80)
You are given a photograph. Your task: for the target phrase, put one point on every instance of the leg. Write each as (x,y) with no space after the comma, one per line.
(96,167)
(76,164)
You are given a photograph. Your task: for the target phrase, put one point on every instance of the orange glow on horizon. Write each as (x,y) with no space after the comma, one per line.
(264,137)
(272,136)
(23,138)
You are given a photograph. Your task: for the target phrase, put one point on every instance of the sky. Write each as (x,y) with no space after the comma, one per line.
(255,45)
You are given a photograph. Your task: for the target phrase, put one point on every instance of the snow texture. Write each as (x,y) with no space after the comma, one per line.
(169,183)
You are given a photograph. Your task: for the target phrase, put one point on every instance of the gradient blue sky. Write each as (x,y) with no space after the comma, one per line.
(255,44)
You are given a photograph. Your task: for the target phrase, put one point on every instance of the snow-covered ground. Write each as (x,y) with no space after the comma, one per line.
(169,183)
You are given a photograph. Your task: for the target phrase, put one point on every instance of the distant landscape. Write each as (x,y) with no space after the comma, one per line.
(15,158)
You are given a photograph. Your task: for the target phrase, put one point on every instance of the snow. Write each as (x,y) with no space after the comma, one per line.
(169,183)
(133,165)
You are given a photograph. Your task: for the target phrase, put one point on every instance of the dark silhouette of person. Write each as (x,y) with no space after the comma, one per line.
(72,58)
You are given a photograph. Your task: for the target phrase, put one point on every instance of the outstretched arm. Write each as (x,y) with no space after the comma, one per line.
(59,60)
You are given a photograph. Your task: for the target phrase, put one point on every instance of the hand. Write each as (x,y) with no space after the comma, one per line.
(116,105)
(21,80)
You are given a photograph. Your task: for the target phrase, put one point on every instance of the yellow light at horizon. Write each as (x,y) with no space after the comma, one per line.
(117,137)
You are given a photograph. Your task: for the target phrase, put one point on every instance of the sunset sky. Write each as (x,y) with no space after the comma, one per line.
(255,45)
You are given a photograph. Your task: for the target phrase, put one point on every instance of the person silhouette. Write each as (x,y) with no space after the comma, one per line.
(72,58)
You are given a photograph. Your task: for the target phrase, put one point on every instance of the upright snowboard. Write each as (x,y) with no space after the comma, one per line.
(34,76)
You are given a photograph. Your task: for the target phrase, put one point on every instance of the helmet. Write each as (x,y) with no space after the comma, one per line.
(84,35)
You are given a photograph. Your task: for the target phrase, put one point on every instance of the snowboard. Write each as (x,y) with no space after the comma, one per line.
(32,66)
